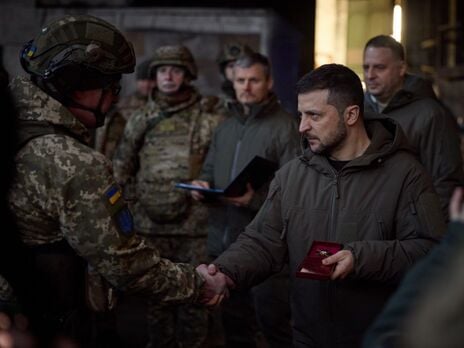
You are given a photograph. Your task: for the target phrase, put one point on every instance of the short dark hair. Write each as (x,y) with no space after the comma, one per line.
(344,86)
(250,59)
(387,42)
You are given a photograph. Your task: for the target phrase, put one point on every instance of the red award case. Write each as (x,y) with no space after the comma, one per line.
(312,267)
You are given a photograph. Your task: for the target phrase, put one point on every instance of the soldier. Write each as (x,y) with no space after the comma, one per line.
(226,60)
(107,137)
(227,56)
(69,210)
(163,143)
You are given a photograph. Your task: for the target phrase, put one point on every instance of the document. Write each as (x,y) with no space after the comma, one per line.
(257,172)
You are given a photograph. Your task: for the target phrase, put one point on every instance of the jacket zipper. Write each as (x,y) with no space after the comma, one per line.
(233,170)
(333,208)
(331,288)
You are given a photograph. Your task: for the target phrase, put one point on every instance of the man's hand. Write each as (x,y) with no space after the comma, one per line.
(215,288)
(456,207)
(197,195)
(344,261)
(242,201)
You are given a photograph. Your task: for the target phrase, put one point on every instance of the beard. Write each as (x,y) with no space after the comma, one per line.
(333,141)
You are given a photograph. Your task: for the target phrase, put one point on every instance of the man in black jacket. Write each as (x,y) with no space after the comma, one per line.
(357,185)
(410,101)
(257,125)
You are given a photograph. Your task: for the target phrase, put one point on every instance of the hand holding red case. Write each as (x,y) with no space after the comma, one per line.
(312,267)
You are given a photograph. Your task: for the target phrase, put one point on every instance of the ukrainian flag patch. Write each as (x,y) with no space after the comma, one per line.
(113,194)
(31,51)
(117,208)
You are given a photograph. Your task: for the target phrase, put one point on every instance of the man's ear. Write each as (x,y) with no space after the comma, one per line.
(403,68)
(187,79)
(351,115)
(270,83)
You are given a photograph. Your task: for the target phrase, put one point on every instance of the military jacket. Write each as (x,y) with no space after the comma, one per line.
(107,136)
(160,147)
(64,190)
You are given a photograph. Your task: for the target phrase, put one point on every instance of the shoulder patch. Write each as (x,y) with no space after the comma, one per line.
(125,222)
(119,211)
(113,194)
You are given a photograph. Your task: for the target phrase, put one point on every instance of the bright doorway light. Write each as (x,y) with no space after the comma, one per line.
(397,18)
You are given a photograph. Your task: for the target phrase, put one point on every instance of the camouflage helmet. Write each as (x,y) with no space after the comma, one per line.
(232,51)
(142,70)
(80,47)
(174,55)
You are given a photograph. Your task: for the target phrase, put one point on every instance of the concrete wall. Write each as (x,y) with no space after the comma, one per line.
(203,30)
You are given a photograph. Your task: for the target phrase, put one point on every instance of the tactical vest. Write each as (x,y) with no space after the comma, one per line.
(170,153)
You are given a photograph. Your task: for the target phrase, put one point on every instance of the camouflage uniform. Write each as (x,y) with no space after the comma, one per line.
(107,136)
(163,143)
(64,191)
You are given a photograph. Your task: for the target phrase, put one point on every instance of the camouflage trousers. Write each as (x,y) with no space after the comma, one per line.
(178,325)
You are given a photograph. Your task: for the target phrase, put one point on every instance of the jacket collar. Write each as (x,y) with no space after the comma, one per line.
(256,110)
(35,105)
(170,105)
(386,136)
(414,88)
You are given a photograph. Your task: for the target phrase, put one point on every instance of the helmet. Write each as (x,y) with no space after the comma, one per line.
(79,50)
(232,51)
(174,55)
(142,70)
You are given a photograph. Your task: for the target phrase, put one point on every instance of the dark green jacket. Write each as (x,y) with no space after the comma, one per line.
(269,131)
(381,206)
(388,330)
(431,130)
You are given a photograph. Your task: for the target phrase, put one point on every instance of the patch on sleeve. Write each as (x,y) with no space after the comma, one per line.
(125,221)
(113,194)
(119,211)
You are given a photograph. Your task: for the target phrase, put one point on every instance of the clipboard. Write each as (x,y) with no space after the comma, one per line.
(257,172)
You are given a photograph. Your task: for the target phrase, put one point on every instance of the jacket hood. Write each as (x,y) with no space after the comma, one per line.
(414,88)
(35,105)
(419,86)
(386,136)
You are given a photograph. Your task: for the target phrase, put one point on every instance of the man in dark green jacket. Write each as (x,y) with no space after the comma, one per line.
(257,126)
(357,185)
(410,101)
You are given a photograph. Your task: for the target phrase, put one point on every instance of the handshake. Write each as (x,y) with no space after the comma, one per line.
(216,285)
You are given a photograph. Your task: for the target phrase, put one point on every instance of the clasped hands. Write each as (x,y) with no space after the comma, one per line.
(216,286)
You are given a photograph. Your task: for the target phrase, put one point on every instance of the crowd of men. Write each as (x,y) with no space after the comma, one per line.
(372,171)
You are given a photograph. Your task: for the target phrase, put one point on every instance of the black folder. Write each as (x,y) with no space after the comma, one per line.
(257,172)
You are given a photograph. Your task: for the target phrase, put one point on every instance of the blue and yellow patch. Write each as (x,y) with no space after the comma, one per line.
(113,194)
(119,211)
(31,51)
